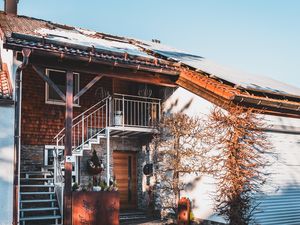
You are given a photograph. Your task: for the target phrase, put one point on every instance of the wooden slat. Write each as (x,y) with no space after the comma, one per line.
(120,162)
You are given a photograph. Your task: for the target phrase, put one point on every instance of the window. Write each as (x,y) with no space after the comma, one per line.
(59,79)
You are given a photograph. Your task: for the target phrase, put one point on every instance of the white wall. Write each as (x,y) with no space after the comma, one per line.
(7,145)
(285,169)
(6,164)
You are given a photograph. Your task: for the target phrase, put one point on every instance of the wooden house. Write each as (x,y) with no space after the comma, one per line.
(76,90)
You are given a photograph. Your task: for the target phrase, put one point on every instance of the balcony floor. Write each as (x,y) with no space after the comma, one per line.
(130,131)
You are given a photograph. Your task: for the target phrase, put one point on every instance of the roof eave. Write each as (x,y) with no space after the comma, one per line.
(93,60)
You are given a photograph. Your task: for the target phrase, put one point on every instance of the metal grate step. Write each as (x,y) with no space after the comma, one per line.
(38,200)
(37,193)
(36,179)
(50,217)
(37,185)
(39,209)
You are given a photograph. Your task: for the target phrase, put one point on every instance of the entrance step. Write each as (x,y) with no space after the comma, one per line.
(135,217)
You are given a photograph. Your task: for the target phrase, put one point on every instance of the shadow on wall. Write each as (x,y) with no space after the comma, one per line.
(175,104)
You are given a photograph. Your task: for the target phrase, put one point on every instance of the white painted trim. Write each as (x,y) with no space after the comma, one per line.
(54,146)
(136,129)
(107,156)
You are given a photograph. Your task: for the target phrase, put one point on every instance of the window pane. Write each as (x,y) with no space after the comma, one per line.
(59,78)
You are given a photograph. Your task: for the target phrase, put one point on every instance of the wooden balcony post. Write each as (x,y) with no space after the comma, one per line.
(68,150)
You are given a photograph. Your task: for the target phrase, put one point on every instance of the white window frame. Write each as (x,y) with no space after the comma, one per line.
(58,102)
(75,172)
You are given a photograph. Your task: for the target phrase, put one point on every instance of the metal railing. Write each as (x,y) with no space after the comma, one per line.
(86,125)
(135,111)
(59,178)
(117,110)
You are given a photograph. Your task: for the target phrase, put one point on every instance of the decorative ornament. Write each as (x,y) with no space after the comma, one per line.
(101,92)
(144,91)
(94,165)
(148,169)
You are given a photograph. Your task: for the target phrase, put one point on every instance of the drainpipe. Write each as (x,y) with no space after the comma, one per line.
(17,128)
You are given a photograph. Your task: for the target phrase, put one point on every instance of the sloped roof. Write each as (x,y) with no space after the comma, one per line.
(239,79)
(5,85)
(21,31)
(209,80)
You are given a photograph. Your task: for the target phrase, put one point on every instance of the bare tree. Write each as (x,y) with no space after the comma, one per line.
(178,151)
(239,158)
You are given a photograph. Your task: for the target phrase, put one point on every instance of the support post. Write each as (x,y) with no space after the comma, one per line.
(68,150)
(107,155)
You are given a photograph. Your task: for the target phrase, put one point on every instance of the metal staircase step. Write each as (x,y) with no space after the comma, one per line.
(36,179)
(38,193)
(35,172)
(39,209)
(50,217)
(37,185)
(38,200)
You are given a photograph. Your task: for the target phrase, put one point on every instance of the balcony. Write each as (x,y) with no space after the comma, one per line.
(123,115)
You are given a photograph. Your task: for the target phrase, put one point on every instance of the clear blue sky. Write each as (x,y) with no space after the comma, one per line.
(257,36)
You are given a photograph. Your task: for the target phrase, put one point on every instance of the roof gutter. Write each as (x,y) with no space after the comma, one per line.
(17,132)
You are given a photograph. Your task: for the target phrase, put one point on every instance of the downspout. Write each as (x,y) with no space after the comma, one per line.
(17,131)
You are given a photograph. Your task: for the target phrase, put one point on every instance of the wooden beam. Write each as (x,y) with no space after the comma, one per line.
(87,87)
(51,84)
(109,71)
(68,149)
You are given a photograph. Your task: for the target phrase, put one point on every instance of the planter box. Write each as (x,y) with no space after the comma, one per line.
(95,208)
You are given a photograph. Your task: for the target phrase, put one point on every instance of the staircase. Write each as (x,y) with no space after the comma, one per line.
(38,203)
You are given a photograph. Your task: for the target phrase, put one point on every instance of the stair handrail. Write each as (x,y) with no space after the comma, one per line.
(80,116)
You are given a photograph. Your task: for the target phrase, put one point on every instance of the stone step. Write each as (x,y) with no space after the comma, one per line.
(39,209)
(50,217)
(133,217)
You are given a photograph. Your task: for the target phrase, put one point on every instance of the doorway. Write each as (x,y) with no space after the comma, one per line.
(126,177)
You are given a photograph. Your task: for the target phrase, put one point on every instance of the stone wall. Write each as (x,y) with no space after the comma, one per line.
(32,157)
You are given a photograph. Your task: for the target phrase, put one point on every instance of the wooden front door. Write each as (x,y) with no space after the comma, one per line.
(125,174)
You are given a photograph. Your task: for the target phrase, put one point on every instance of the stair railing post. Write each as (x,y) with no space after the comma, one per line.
(111,100)
(123,110)
(106,112)
(159,112)
(82,131)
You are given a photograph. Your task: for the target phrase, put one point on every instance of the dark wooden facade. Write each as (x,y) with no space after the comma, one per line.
(42,121)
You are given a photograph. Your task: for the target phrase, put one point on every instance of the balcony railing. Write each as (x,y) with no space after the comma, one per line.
(118,110)
(135,111)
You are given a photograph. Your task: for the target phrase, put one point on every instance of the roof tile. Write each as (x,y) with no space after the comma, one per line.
(5,85)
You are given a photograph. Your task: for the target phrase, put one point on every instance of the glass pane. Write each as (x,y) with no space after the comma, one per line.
(59,78)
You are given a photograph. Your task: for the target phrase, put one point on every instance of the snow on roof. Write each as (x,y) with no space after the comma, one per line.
(83,37)
(240,79)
